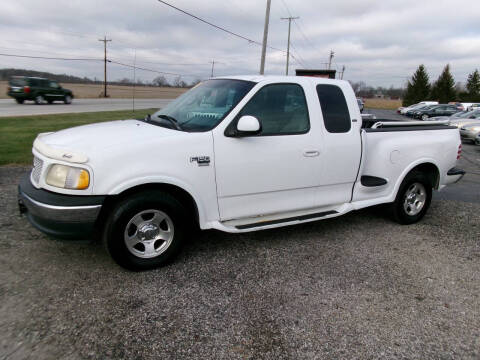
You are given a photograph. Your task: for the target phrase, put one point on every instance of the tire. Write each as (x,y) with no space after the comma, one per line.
(146,230)
(19,101)
(424,117)
(39,100)
(67,99)
(413,199)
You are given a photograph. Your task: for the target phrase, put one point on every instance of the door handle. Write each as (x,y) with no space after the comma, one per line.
(311,153)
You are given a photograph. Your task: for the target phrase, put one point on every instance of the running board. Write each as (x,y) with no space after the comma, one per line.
(284,220)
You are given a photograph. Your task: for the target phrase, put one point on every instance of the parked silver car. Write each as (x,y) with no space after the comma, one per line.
(473,114)
(470,132)
(471,117)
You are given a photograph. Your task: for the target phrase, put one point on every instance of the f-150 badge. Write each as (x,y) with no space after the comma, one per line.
(201,160)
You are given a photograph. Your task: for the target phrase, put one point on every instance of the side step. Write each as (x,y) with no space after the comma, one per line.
(284,220)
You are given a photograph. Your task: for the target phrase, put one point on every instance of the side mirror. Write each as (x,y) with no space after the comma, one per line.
(246,126)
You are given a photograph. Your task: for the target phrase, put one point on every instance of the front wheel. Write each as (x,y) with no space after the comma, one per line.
(146,230)
(424,117)
(413,199)
(67,99)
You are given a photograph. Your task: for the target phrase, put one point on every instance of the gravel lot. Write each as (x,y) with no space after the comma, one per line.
(359,286)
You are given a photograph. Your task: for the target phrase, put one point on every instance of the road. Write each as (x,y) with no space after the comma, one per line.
(8,107)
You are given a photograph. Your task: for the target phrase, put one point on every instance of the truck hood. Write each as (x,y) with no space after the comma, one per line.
(82,141)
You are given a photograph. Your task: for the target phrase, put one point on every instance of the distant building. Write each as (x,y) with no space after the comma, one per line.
(329,74)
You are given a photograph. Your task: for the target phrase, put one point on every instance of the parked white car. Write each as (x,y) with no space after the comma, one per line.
(235,154)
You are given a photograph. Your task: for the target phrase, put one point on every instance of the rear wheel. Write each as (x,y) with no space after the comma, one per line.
(413,199)
(146,230)
(39,100)
(19,101)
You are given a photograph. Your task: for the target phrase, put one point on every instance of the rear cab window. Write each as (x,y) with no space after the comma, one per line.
(17,82)
(336,115)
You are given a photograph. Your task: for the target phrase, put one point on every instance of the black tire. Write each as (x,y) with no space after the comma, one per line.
(121,215)
(19,101)
(39,100)
(67,99)
(399,211)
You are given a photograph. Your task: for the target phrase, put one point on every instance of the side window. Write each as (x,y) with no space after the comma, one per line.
(54,85)
(280,108)
(334,108)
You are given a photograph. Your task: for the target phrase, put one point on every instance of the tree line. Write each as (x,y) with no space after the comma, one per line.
(443,89)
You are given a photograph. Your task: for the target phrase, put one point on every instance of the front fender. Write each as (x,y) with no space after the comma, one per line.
(206,203)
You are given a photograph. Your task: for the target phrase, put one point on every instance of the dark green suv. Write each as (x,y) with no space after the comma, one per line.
(40,90)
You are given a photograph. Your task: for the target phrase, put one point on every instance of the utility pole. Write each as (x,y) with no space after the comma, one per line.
(265,36)
(213,66)
(330,59)
(134,79)
(343,70)
(105,40)
(290,18)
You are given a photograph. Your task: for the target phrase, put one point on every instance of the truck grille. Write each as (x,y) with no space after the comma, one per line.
(37,169)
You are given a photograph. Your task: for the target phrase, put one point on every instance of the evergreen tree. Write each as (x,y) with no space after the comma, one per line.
(418,88)
(444,88)
(473,85)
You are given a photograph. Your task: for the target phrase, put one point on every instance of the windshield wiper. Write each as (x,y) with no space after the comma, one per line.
(171,119)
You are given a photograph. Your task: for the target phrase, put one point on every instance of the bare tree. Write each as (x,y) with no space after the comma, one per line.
(160,81)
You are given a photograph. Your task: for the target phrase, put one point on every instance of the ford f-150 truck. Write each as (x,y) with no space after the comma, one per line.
(235,154)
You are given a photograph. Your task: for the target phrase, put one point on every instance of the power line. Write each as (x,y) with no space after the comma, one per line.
(211,24)
(219,27)
(49,58)
(151,70)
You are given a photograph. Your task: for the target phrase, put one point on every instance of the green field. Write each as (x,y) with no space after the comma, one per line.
(17,133)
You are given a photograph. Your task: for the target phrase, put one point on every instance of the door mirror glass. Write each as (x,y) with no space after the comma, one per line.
(248,125)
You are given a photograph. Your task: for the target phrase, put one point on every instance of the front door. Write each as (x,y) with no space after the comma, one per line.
(271,172)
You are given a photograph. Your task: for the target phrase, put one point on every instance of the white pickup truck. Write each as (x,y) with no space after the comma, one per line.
(235,154)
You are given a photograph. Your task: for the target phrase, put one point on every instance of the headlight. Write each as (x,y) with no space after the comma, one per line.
(68,177)
(476,128)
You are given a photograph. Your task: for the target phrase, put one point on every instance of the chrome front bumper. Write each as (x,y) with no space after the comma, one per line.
(59,215)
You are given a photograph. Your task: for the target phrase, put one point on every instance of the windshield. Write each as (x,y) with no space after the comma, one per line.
(204,106)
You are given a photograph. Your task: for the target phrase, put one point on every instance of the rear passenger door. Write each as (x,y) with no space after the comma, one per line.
(341,144)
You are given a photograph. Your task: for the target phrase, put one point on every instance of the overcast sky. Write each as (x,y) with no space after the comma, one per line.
(379,42)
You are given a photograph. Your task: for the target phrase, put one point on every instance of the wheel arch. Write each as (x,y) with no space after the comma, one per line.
(428,167)
(184,196)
